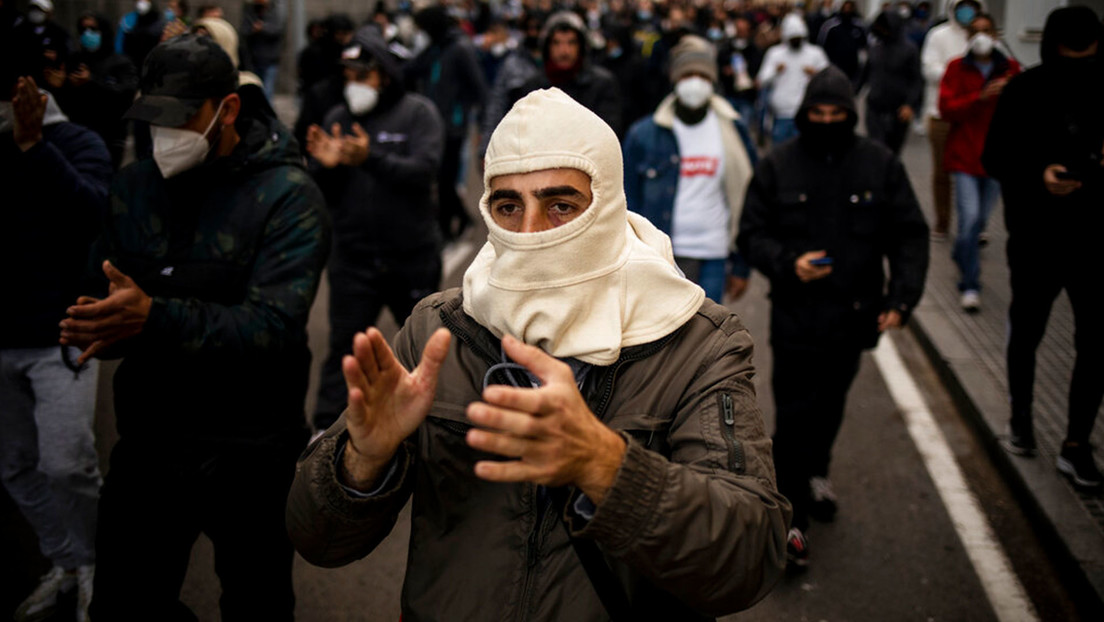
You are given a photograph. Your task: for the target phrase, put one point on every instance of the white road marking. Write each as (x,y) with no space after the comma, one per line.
(1002,587)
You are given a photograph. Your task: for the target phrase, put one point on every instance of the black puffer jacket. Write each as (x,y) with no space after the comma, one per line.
(851,199)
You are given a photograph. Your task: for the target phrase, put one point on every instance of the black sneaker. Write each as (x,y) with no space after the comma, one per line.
(1076,462)
(797,549)
(1021,438)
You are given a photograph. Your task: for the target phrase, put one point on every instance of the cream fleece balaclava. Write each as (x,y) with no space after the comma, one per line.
(604,281)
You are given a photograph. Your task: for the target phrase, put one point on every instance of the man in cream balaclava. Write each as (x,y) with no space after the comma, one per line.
(576,378)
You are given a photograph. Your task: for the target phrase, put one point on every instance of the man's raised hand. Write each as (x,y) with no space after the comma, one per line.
(551,434)
(94,325)
(386,402)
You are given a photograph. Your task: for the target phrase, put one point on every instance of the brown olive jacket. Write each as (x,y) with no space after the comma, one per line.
(693,526)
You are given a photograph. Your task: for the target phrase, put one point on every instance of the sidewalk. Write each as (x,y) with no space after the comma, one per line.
(968,351)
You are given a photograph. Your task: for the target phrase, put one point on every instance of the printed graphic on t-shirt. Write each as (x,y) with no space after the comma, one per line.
(694,166)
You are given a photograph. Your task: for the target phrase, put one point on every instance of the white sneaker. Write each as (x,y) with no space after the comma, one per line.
(42,601)
(85,574)
(971,301)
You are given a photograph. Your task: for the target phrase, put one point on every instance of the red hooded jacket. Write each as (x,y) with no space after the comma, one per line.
(960,104)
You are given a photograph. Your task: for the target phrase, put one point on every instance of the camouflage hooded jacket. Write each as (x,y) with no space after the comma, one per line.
(232,253)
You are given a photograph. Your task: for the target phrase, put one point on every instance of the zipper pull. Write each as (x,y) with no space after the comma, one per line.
(729,411)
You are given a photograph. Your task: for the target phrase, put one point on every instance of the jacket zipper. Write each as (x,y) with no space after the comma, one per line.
(532,542)
(728,431)
(607,389)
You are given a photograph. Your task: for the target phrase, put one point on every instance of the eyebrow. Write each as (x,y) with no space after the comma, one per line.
(542,193)
(557,191)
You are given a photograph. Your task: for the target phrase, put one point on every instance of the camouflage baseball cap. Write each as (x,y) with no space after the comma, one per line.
(178,76)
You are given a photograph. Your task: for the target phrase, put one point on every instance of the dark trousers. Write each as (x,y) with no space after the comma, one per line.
(810,389)
(1037,277)
(450,209)
(155,504)
(358,292)
(884,127)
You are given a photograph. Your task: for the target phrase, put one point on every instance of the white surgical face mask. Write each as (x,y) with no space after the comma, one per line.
(142,6)
(176,150)
(361,98)
(694,91)
(36,16)
(981,44)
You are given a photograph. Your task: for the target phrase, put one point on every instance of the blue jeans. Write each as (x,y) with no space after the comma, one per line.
(709,273)
(782,130)
(974,198)
(268,75)
(48,460)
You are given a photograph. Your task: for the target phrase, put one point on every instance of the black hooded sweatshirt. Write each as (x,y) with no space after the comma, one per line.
(893,68)
(1051,114)
(850,197)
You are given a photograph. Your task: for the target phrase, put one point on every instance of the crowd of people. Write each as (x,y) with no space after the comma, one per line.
(632,151)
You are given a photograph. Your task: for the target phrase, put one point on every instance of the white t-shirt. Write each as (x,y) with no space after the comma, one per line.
(699,226)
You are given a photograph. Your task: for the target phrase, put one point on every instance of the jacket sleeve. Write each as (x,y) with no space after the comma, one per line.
(955,101)
(760,248)
(419,165)
(707,524)
(281,288)
(767,71)
(634,152)
(328,526)
(914,97)
(80,172)
(931,58)
(906,244)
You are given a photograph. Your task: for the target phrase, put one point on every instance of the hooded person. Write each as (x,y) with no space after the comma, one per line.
(387,145)
(895,81)
(100,84)
(574,309)
(698,202)
(567,66)
(785,71)
(447,71)
(1045,147)
(823,215)
(226,37)
(213,251)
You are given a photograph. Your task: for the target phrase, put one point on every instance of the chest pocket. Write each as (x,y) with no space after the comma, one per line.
(793,211)
(864,209)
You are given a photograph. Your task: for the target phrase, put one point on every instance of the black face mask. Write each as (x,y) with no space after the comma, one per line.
(828,137)
(795,44)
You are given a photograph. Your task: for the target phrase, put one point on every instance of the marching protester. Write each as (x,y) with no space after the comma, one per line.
(823,214)
(512,410)
(212,256)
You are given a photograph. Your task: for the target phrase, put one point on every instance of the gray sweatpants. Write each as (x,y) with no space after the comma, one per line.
(48,461)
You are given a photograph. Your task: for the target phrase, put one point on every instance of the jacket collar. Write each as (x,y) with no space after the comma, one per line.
(664,115)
